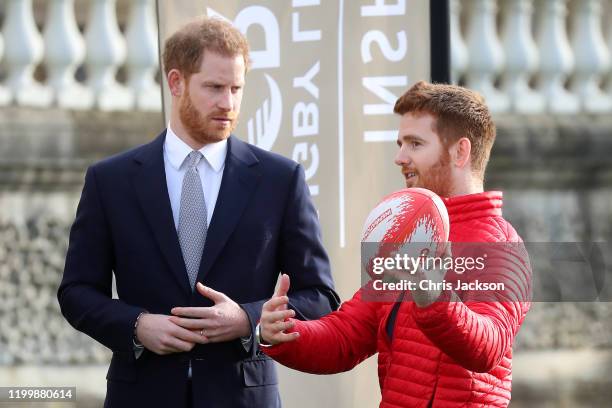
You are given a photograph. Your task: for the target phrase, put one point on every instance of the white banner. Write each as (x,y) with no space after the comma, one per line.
(325,76)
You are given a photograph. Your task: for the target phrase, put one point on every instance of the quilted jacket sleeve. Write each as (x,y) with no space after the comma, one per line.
(478,329)
(334,343)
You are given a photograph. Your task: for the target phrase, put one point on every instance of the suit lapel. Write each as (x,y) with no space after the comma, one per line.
(240,178)
(152,191)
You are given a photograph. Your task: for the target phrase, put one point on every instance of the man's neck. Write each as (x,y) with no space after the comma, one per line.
(469,185)
(180,131)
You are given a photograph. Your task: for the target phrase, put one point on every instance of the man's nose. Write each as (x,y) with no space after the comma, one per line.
(226,101)
(401,158)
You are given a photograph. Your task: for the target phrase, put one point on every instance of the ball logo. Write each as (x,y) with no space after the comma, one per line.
(375,223)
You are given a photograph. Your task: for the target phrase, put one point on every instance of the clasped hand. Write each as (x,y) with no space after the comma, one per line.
(188,326)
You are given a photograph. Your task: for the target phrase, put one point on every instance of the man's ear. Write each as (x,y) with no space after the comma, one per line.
(461,152)
(176,82)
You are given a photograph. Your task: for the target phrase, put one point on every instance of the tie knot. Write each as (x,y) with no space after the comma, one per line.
(194,158)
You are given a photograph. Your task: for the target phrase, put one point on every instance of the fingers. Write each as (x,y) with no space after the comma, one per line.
(275,333)
(190,324)
(400,273)
(174,345)
(274,303)
(194,312)
(210,293)
(280,326)
(175,341)
(216,335)
(196,325)
(281,315)
(448,253)
(287,337)
(274,322)
(422,273)
(191,336)
(282,285)
(159,334)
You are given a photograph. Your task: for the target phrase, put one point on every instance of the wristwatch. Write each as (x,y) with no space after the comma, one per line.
(260,340)
(137,344)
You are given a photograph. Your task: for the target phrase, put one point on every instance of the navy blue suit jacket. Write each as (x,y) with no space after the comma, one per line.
(264,222)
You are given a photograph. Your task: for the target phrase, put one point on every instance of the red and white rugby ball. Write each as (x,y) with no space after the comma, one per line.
(411,215)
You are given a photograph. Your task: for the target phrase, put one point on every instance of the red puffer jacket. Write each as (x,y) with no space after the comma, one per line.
(448,354)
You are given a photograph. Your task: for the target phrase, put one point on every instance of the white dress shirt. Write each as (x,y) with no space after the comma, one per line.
(210,169)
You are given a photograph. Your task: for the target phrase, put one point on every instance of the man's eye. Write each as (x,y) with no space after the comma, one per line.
(236,89)
(415,144)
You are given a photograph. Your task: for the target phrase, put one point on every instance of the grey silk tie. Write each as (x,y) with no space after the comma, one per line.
(192,225)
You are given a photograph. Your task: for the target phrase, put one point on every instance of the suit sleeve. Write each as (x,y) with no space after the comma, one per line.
(85,292)
(478,331)
(302,257)
(334,343)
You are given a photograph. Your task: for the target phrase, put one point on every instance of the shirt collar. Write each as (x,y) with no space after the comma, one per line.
(177,151)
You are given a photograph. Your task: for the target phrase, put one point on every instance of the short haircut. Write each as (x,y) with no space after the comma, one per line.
(458,112)
(184,49)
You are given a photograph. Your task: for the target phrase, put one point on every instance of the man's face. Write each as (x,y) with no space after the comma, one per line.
(210,105)
(424,160)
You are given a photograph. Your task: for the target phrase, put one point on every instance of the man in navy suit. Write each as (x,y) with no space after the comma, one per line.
(196,227)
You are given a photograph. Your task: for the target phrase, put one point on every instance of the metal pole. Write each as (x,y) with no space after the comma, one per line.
(439,25)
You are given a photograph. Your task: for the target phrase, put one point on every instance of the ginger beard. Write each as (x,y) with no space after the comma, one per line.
(436,178)
(205,129)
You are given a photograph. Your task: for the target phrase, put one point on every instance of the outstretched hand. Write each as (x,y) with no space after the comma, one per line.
(275,315)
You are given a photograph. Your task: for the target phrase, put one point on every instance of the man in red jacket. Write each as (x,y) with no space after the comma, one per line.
(447,348)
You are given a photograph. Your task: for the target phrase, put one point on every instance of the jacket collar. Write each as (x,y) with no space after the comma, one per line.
(471,206)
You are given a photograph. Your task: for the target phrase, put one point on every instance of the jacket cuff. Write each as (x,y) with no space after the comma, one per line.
(253,312)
